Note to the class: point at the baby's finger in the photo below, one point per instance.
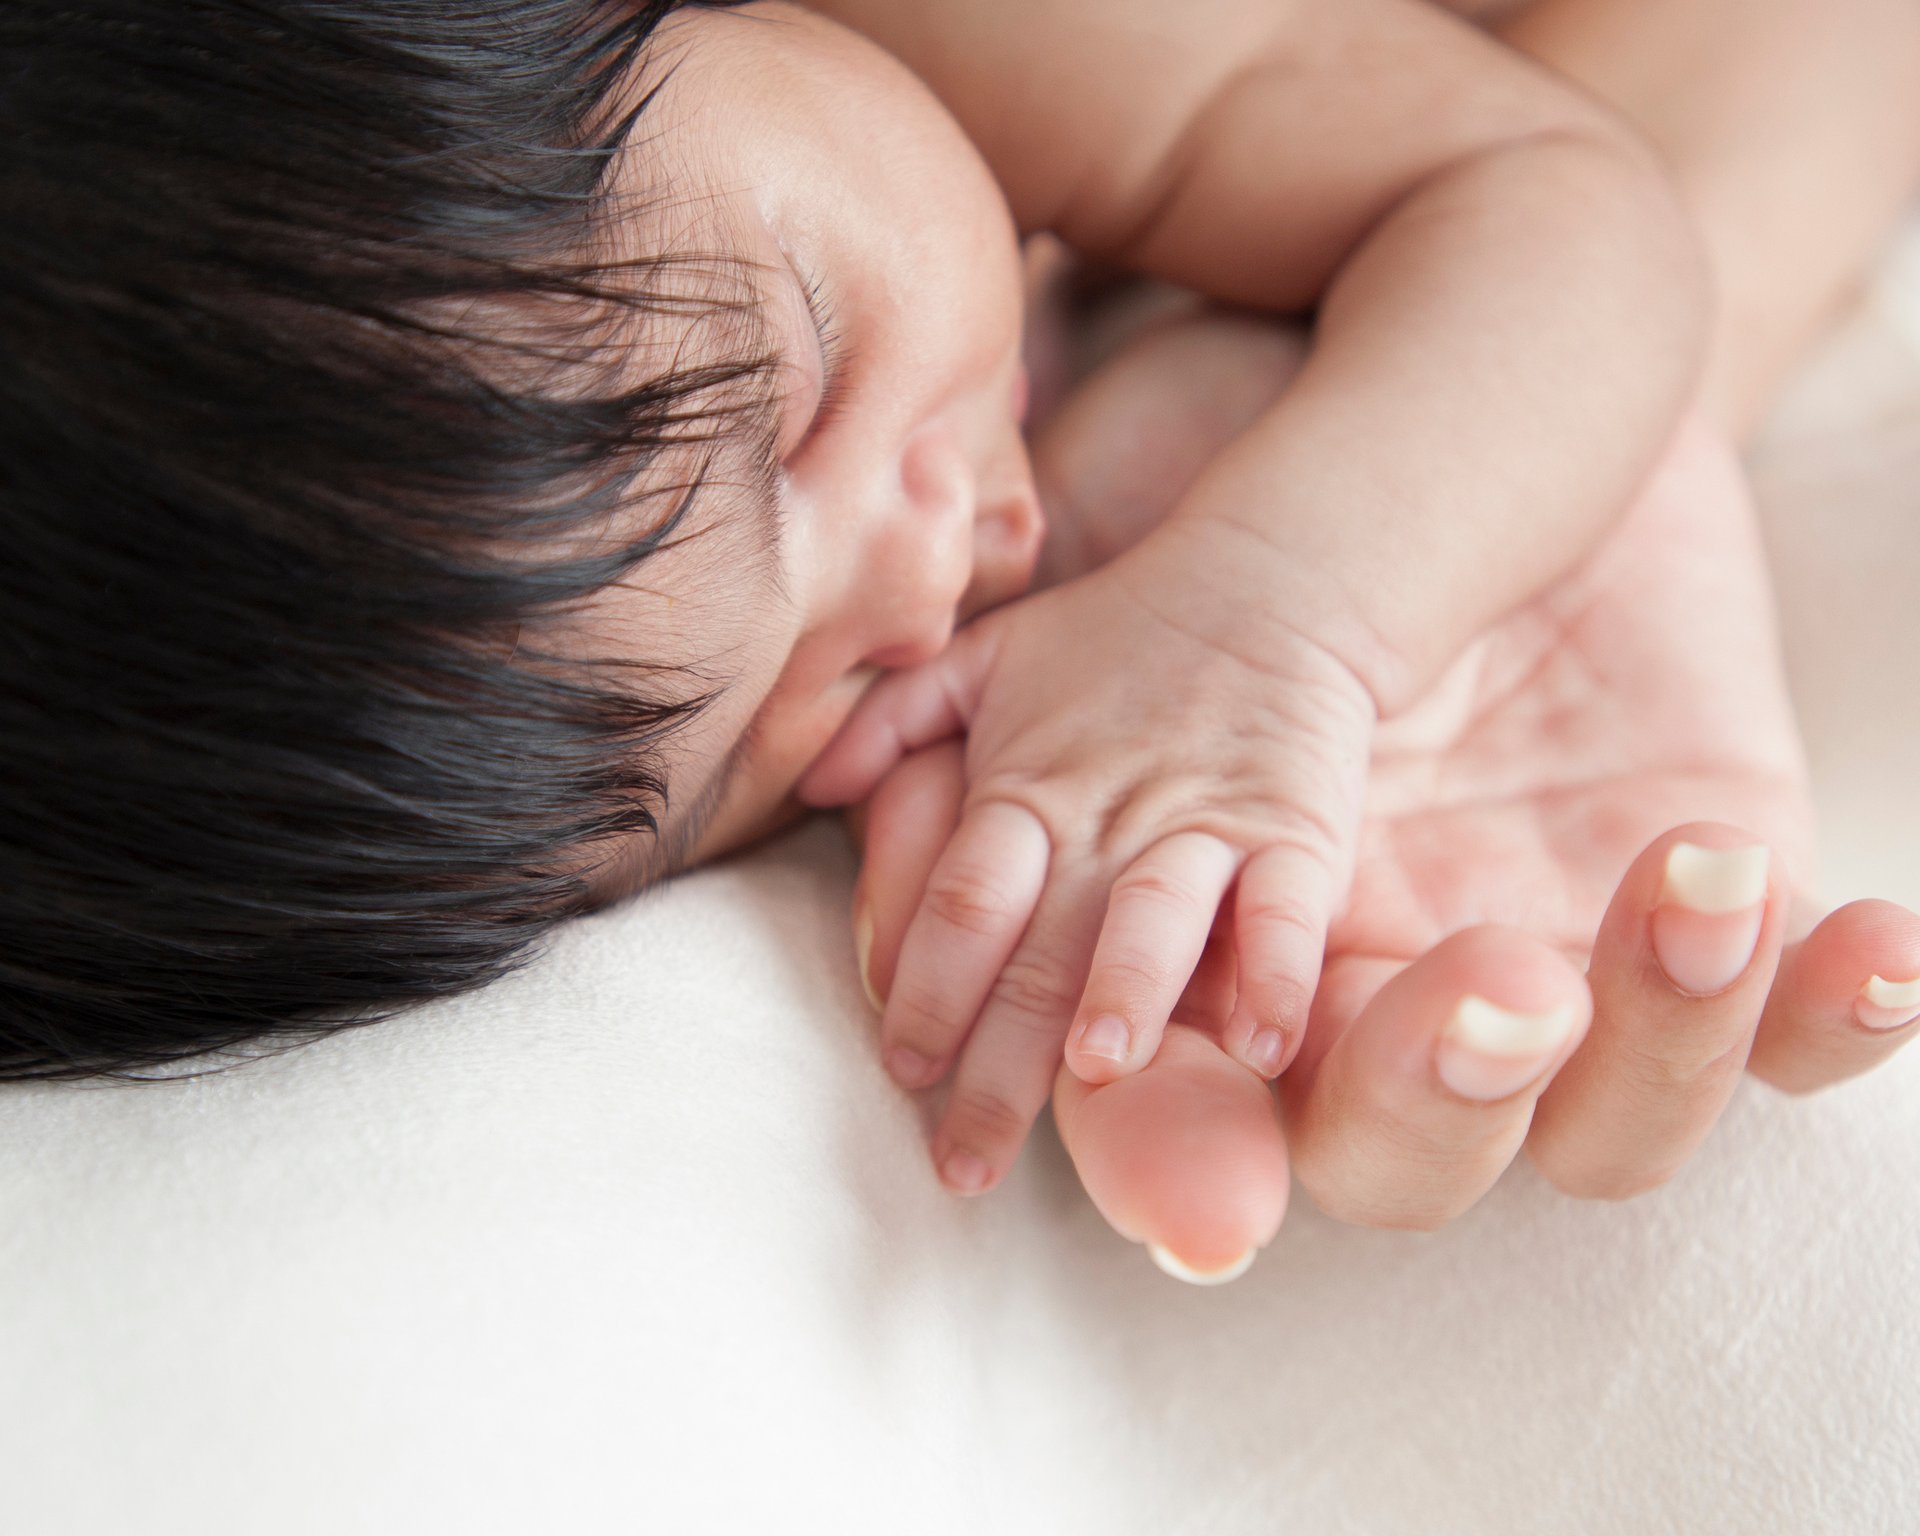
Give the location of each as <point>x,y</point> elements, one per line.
<point>1681,969</point>
<point>908,823</point>
<point>1846,998</point>
<point>1280,913</point>
<point>978,900</point>
<point>1008,1067</point>
<point>1420,1104</point>
<point>1185,1156</point>
<point>1158,919</point>
<point>901,713</point>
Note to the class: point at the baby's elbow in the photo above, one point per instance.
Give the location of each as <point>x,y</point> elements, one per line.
<point>1642,239</point>
<point>1671,241</point>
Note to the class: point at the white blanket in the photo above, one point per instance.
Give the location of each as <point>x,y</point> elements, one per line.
<point>642,1240</point>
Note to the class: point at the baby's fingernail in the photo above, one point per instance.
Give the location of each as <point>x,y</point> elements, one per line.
<point>1706,923</point>
<point>965,1174</point>
<point>1884,1004</point>
<point>1106,1037</point>
<point>1488,1052</point>
<point>908,1068</point>
<point>1182,1271</point>
<point>863,955</point>
<point>1265,1051</point>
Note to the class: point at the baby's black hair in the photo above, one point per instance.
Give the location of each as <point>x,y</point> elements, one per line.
<point>285,525</point>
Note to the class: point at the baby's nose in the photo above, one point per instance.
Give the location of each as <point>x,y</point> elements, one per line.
<point>924,561</point>
<point>1008,528</point>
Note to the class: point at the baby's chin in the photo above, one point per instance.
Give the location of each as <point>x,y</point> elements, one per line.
<point>724,842</point>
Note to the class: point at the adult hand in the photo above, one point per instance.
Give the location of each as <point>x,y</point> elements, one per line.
<point>1521,824</point>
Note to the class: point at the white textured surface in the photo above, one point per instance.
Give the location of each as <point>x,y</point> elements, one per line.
<point>643,1241</point>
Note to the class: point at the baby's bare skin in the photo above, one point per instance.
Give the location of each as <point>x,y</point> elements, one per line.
<point>1503,338</point>
<point>1588,1135</point>
<point>1488,818</point>
<point>1481,246</point>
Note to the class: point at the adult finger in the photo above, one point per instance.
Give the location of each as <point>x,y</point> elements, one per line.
<point>1847,997</point>
<point>1681,969</point>
<point>1418,1105</point>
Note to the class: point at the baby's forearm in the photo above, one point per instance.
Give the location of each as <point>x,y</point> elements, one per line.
<point>1510,297</point>
<point>1495,369</point>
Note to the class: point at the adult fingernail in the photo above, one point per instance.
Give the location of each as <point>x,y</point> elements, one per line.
<point>1106,1037</point>
<point>863,955</point>
<point>965,1174</point>
<point>1706,923</point>
<point>1265,1051</point>
<point>1884,1004</point>
<point>1487,1052</point>
<point>1180,1270</point>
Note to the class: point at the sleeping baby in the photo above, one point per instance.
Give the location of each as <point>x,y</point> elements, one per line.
<point>464,466</point>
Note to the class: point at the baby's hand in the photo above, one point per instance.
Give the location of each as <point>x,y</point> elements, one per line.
<point>1140,744</point>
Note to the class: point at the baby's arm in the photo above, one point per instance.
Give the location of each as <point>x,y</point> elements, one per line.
<point>1793,130</point>
<point>1508,314</point>
<point>1510,303</point>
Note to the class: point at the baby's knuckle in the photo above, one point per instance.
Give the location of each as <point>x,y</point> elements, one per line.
<point>1282,914</point>
<point>986,1120</point>
<point>968,900</point>
<point>1036,993</point>
<point>1138,809</point>
<point>1313,834</point>
<point>1281,1001</point>
<point>1156,888</point>
<point>920,1019</point>
<point>1134,972</point>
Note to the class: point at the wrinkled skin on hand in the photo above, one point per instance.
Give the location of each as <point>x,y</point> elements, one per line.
<point>1639,693</point>
<point>1636,696</point>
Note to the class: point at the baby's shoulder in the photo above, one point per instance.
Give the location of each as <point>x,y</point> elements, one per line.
<point>1074,99</point>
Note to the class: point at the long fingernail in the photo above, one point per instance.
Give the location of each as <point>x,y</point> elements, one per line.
<point>1106,1037</point>
<point>965,1174</point>
<point>1884,1004</point>
<point>1182,1271</point>
<point>1487,1052</point>
<point>863,955</point>
<point>1706,923</point>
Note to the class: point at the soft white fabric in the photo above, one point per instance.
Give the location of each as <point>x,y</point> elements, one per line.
<point>643,1241</point>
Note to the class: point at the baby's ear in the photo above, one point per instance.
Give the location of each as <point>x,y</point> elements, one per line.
<point>1186,1156</point>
